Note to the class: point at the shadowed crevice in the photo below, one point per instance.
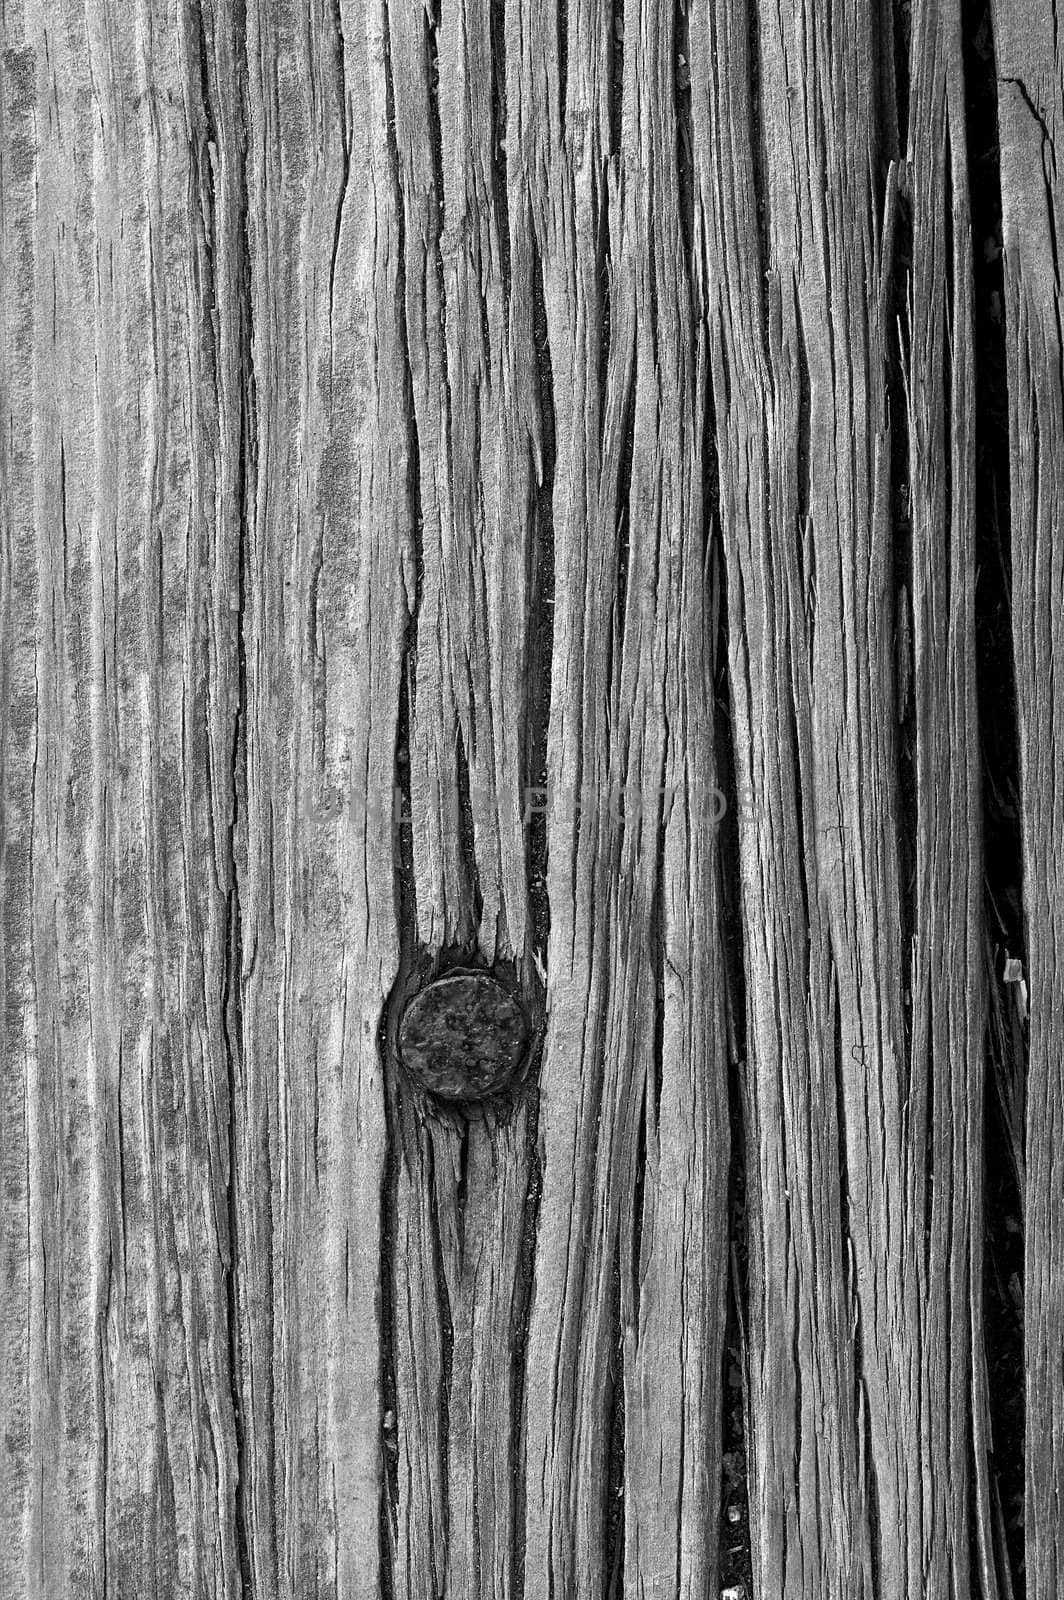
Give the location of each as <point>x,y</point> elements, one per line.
<point>400,812</point>
<point>539,633</point>
<point>240,1175</point>
<point>1003,1246</point>
<point>616,74</point>
<point>757,156</point>
<point>685,175</point>
<point>735,1554</point>
<point>499,164</point>
<point>614,643</point>
<point>521,1311</point>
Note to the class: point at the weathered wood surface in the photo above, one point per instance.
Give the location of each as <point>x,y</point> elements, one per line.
<point>1031,108</point>
<point>446,449</point>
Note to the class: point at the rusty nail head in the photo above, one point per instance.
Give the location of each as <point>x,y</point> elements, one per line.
<point>464,1036</point>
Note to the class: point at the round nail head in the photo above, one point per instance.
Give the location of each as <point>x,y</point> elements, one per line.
<point>464,1036</point>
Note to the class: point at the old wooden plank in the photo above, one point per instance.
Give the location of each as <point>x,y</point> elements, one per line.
<point>19,596</point>
<point>327,568</point>
<point>948,1018</point>
<point>808,1512</point>
<point>851,1487</point>
<point>366,369</point>
<point>1030,108</point>
<point>633,1132</point>
<point>674,1230</point>
<point>119,536</point>
<point>465,282</point>
<point>564,138</point>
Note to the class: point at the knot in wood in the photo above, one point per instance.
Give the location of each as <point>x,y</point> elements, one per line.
<point>464,1036</point>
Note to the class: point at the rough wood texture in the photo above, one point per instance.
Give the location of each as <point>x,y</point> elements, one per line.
<point>949,1525</point>
<point>1031,106</point>
<point>446,449</point>
<point>121,518</point>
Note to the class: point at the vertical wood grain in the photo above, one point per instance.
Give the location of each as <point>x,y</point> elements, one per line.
<point>443,445</point>
<point>1030,98</point>
<point>948,997</point>
<point>326,570</point>
<point>119,541</point>
<point>866,1008</point>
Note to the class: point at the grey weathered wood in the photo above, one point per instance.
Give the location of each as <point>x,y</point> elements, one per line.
<point>949,1003</point>
<point>430,406</point>
<point>858,1403</point>
<point>1031,101</point>
<point>119,537</point>
<point>326,560</point>
<point>635,979</point>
